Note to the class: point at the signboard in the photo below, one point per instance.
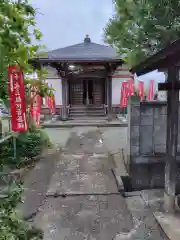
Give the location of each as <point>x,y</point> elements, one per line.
<point>17,99</point>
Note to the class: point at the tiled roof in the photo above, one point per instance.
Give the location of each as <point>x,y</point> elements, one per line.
<point>86,50</point>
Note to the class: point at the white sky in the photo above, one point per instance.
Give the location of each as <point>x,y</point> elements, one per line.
<point>66,22</point>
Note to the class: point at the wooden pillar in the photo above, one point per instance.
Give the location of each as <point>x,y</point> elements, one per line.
<point>109,97</point>
<point>172,136</point>
<point>105,91</point>
<point>67,92</point>
<point>64,99</point>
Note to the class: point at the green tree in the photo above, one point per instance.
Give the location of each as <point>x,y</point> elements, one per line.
<point>18,28</point>
<point>140,28</point>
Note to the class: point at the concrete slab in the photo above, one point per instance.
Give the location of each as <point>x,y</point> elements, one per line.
<point>81,130</point>
<point>84,168</point>
<point>114,139</point>
<point>152,195</point>
<point>36,185</point>
<point>169,224</point>
<point>145,225</point>
<point>84,217</point>
<point>76,123</point>
<point>85,174</point>
<point>59,136</point>
<point>154,198</point>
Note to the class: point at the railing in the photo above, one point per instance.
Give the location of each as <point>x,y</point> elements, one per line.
<point>7,137</point>
<point>7,177</point>
<point>68,108</point>
<point>105,108</point>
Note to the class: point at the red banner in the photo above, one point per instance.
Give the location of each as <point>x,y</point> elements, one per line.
<point>53,108</point>
<point>35,106</point>
<point>124,95</point>
<point>50,102</point>
<point>17,99</point>
<point>131,87</point>
<point>141,89</point>
<point>151,90</point>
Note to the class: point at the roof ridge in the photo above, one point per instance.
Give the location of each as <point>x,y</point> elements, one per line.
<point>75,45</point>
<point>65,47</point>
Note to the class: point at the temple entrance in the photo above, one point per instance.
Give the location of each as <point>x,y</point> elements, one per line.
<point>87,92</point>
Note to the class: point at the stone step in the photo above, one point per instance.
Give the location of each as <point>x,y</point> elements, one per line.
<point>86,114</point>
<point>74,110</point>
<point>90,119</point>
<point>90,107</point>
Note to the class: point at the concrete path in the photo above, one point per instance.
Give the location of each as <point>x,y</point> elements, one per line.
<point>82,200</point>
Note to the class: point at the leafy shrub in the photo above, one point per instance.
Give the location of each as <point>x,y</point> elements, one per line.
<point>28,146</point>
<point>11,227</point>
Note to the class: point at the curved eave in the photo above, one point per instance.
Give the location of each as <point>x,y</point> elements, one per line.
<point>166,57</point>
<point>74,61</point>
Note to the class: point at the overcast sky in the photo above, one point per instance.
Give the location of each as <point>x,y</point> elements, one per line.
<point>66,22</point>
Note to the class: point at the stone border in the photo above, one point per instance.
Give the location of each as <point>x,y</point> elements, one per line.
<point>71,125</point>
<point>169,224</point>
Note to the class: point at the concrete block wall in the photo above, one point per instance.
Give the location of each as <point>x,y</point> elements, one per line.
<point>146,146</point>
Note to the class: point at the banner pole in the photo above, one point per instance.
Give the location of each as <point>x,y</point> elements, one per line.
<point>14,146</point>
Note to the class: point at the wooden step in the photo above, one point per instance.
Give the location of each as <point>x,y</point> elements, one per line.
<point>86,111</point>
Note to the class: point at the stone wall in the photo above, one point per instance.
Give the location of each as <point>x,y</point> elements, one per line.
<point>145,158</point>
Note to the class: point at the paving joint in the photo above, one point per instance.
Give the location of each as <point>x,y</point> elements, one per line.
<point>64,195</point>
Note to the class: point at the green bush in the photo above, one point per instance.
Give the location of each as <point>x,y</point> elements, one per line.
<point>28,146</point>
<point>11,227</point>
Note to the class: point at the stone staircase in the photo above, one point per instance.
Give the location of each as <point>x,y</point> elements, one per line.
<point>91,111</point>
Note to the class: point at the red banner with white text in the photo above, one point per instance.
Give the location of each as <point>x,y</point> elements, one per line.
<point>53,108</point>
<point>151,90</point>
<point>17,99</point>
<point>141,89</point>
<point>35,106</point>
<point>48,102</point>
<point>124,95</point>
<point>131,87</point>
<point>51,104</point>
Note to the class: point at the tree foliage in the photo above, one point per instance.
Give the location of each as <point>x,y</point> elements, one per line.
<point>18,29</point>
<point>139,28</point>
